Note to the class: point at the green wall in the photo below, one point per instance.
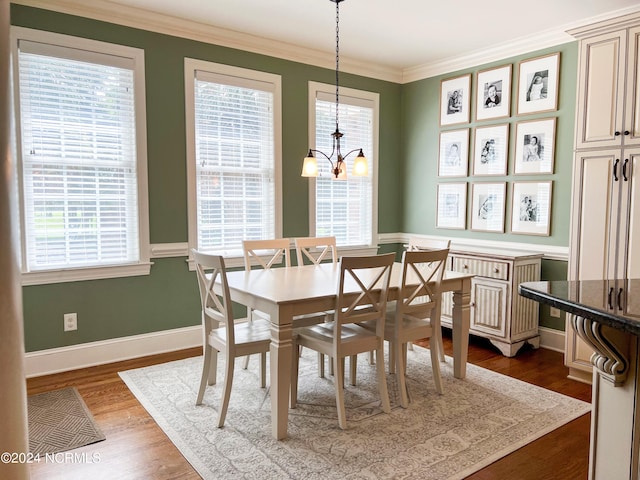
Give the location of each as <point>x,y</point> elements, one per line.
<point>408,150</point>
<point>420,137</point>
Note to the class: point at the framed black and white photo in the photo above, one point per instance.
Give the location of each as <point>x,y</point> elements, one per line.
<point>453,158</point>
<point>455,100</point>
<point>451,211</point>
<point>490,150</point>
<point>493,99</point>
<point>535,146</point>
<point>531,208</point>
<point>487,204</point>
<point>538,84</point>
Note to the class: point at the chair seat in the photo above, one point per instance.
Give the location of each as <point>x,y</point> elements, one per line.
<point>320,337</point>
<point>250,337</point>
<point>409,327</point>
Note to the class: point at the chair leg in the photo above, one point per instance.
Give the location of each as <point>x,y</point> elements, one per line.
<point>320,365</point>
<point>263,370</point>
<point>226,391</point>
<point>206,365</point>
<point>437,338</point>
<point>339,381</point>
<point>372,358</point>
<point>293,388</point>
<point>353,364</point>
<point>435,366</point>
<point>410,346</point>
<point>245,363</point>
<point>400,375</point>
<point>392,357</point>
<point>382,380</point>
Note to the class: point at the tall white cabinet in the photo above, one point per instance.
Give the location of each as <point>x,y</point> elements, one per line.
<point>605,221</point>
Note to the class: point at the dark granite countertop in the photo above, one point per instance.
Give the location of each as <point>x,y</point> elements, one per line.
<point>615,303</point>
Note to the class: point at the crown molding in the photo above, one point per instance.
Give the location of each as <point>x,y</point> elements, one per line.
<point>106,11</point>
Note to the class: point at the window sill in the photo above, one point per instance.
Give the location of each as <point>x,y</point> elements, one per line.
<point>89,273</point>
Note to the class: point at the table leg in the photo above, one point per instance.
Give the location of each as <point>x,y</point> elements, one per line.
<point>281,351</point>
<point>461,320</point>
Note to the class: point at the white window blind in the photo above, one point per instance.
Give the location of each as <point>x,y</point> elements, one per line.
<point>234,160</point>
<point>79,162</point>
<point>344,209</point>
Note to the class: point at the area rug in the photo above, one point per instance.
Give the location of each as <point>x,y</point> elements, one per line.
<point>474,423</point>
<point>59,420</point>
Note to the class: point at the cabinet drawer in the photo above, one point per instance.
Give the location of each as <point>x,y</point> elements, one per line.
<point>482,268</point>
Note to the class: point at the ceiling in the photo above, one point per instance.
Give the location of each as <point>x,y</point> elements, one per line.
<point>401,35</point>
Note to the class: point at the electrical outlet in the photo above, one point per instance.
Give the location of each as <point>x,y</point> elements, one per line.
<point>554,312</point>
<point>70,322</point>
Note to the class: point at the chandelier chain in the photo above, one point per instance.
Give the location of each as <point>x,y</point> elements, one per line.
<point>337,57</point>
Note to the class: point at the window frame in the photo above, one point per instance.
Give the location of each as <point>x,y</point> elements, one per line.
<point>326,89</point>
<point>233,257</point>
<point>88,50</point>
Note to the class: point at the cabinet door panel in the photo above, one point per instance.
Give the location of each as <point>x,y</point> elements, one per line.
<point>629,238</point>
<point>601,91</point>
<point>594,203</point>
<point>632,112</point>
<point>489,300</point>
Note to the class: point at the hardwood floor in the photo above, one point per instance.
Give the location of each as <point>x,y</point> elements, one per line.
<point>136,448</point>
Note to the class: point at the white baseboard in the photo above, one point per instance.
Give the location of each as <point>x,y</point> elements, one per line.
<point>551,339</point>
<point>55,360</point>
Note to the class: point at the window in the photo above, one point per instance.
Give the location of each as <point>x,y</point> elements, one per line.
<point>344,209</point>
<point>82,157</point>
<point>233,154</point>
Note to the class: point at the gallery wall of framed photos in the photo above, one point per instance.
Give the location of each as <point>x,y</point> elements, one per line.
<point>504,160</point>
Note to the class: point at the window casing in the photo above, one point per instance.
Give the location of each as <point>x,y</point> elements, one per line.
<point>82,169</point>
<point>344,209</point>
<point>233,156</point>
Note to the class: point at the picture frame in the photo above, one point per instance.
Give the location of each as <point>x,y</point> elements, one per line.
<point>531,207</point>
<point>488,206</point>
<point>493,96</point>
<point>538,84</point>
<point>535,147</point>
<point>453,156</point>
<point>455,100</point>
<point>451,210</point>
<point>490,150</point>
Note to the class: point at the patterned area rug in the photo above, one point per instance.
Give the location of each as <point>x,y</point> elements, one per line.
<point>474,423</point>
<point>59,421</point>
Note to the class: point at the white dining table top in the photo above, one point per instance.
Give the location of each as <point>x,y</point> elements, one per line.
<point>291,284</point>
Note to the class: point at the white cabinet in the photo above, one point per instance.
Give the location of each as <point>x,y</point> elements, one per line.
<point>498,312</point>
<point>607,106</point>
<point>605,223</point>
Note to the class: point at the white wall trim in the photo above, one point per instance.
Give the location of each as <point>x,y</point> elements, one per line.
<point>138,18</point>
<point>55,360</point>
<point>164,250</point>
<point>551,339</point>
<point>550,252</point>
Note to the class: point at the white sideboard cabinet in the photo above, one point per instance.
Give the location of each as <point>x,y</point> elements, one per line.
<point>605,221</point>
<point>498,312</point>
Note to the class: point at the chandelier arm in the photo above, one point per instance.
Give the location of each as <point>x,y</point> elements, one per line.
<point>323,154</point>
<point>354,150</point>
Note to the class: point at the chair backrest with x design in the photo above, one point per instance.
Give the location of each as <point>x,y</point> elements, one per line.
<point>362,291</point>
<point>316,249</point>
<point>216,309</point>
<point>421,285</point>
<point>276,252</point>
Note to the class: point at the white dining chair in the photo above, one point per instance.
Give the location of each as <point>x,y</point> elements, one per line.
<point>361,297</point>
<point>417,243</point>
<point>418,301</point>
<point>222,333</point>
<point>315,250</point>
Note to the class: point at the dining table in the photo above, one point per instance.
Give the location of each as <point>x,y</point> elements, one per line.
<point>285,293</point>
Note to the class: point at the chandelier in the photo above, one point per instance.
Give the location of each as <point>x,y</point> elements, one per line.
<point>338,168</point>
